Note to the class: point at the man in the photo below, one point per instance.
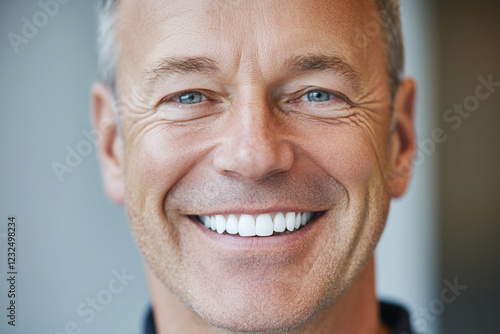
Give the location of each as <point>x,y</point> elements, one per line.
<point>256,146</point>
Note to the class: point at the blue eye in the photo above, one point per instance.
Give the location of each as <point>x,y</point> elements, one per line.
<point>191,98</point>
<point>318,96</point>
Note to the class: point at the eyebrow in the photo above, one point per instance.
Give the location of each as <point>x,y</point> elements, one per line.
<point>321,62</point>
<point>181,65</point>
<point>299,64</point>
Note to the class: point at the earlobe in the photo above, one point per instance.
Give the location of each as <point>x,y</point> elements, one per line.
<point>403,145</point>
<point>109,147</point>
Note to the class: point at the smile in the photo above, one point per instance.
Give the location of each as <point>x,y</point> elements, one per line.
<point>262,225</point>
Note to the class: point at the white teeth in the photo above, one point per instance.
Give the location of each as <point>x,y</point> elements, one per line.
<point>205,220</point>
<point>213,223</point>
<point>220,221</point>
<point>262,225</point>
<point>304,219</point>
<point>298,219</point>
<point>279,223</point>
<point>290,221</point>
<point>246,226</point>
<point>232,224</point>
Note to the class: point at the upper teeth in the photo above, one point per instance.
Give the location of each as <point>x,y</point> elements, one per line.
<point>261,225</point>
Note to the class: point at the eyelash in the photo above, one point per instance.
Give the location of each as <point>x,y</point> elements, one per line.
<point>333,94</point>
<point>298,96</point>
<point>176,96</point>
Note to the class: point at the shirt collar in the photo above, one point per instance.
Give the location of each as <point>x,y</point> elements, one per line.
<point>394,316</point>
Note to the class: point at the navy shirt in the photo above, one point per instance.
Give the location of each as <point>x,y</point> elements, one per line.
<point>392,315</point>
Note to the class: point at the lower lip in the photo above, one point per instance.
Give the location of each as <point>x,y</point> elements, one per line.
<point>278,241</point>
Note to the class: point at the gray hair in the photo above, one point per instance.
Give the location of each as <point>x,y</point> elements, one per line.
<point>107,46</point>
<point>388,16</point>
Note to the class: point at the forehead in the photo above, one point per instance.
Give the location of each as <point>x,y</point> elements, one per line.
<point>241,32</point>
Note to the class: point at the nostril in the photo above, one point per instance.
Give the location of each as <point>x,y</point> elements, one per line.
<point>253,163</point>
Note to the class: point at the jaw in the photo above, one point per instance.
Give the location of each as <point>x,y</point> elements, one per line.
<point>254,283</point>
<point>175,314</point>
<point>257,283</point>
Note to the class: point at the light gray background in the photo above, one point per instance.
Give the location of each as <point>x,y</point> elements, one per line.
<point>70,237</point>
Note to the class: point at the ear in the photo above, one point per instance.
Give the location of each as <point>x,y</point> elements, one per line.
<point>403,140</point>
<point>109,147</point>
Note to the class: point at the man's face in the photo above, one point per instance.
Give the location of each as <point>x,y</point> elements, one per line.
<point>253,108</point>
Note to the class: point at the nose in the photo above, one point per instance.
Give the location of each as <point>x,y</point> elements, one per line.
<point>253,145</point>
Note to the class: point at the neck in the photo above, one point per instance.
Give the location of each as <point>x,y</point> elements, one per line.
<point>353,313</point>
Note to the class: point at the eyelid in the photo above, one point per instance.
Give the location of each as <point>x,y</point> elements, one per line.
<point>333,93</point>
<point>296,96</point>
<point>174,96</point>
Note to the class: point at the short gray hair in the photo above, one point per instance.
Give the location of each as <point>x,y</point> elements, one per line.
<point>107,46</point>
<point>388,16</point>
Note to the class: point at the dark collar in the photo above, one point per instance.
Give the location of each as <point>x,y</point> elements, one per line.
<point>392,315</point>
<point>396,317</point>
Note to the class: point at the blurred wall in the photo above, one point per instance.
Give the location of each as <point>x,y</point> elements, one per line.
<point>469,172</point>
<point>407,256</point>
<point>72,241</point>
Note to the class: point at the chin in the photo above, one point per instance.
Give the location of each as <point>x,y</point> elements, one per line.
<point>274,309</point>
<point>269,321</point>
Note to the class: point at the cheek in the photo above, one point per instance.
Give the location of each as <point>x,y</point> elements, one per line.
<point>158,161</point>
<point>153,165</point>
<point>356,160</point>
<point>345,154</point>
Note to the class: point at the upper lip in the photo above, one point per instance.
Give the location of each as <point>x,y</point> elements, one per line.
<point>249,211</point>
